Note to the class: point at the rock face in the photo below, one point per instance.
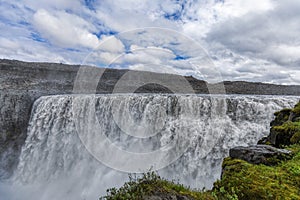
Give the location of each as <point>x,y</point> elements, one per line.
<point>285,128</point>
<point>21,83</point>
<point>259,154</point>
<point>242,87</point>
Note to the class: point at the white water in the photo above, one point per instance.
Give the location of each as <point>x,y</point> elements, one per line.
<point>54,164</point>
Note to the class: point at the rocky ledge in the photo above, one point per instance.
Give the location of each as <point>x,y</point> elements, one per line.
<point>285,128</point>
<point>260,154</point>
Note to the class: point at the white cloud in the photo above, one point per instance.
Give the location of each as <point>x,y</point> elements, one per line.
<point>255,40</point>
<point>64,29</point>
<point>8,44</point>
<point>111,44</point>
<point>284,53</point>
<point>137,56</point>
<point>53,4</point>
<point>107,58</point>
<point>238,8</point>
<point>127,15</point>
<point>201,16</point>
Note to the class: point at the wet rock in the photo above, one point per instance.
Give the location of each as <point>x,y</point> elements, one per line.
<point>264,140</point>
<point>281,135</point>
<point>285,128</point>
<point>260,154</point>
<point>281,117</point>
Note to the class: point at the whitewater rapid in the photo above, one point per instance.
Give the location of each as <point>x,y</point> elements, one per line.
<point>59,161</point>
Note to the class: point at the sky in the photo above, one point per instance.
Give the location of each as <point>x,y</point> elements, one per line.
<point>248,40</point>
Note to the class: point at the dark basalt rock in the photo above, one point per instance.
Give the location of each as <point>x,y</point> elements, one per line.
<point>285,128</point>
<point>264,140</point>
<point>281,117</point>
<point>260,154</point>
<point>281,135</point>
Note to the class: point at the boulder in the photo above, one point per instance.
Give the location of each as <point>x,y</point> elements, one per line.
<point>260,154</point>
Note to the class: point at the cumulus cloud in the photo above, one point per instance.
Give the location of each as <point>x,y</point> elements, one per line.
<point>54,4</point>
<point>127,15</point>
<point>65,29</point>
<point>268,36</point>
<point>111,44</point>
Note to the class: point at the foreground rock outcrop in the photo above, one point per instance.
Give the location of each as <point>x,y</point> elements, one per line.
<point>260,154</point>
<point>244,180</point>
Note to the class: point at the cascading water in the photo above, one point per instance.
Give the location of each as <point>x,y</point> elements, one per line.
<point>56,162</point>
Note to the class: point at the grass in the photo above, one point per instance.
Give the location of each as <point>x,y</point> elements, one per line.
<point>249,181</point>
<point>152,184</point>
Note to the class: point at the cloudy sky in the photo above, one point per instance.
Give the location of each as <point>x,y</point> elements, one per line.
<point>252,40</point>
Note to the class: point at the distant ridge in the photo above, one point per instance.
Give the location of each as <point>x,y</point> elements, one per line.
<point>56,78</point>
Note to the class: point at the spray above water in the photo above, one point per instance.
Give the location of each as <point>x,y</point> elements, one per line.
<point>54,163</point>
<point>155,42</point>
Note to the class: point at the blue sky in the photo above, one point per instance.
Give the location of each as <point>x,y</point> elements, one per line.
<point>252,40</point>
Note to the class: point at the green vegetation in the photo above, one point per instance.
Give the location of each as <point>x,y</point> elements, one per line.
<point>249,181</point>
<point>296,137</point>
<point>285,128</point>
<point>150,184</point>
<point>286,134</point>
<point>296,109</point>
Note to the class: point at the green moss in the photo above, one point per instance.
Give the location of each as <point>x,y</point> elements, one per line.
<point>285,111</point>
<point>152,184</point>
<point>297,119</point>
<point>260,181</point>
<point>296,109</point>
<point>287,133</point>
<point>295,138</point>
<point>281,117</point>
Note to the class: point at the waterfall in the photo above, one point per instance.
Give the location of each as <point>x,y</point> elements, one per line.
<point>64,156</point>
